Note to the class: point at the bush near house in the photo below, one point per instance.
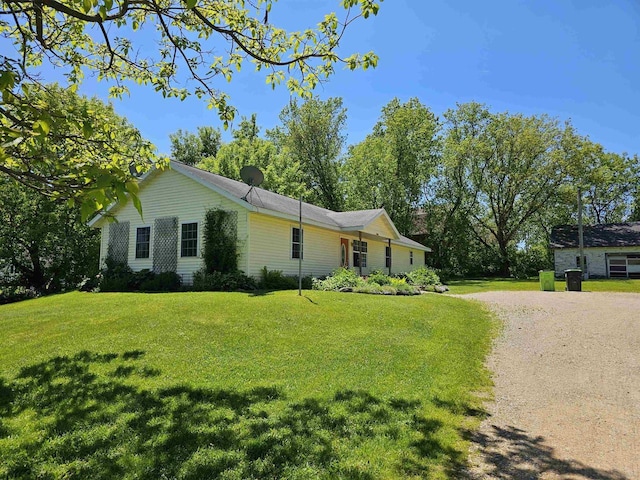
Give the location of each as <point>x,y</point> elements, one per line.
<point>423,277</point>
<point>11,293</point>
<point>216,281</point>
<point>341,278</point>
<point>118,277</point>
<point>379,283</point>
<point>276,280</point>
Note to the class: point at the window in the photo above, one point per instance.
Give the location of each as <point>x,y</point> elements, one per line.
<point>143,237</point>
<point>359,252</point>
<point>425,258</point>
<point>410,258</point>
<point>297,237</point>
<point>189,243</point>
<point>387,257</point>
<point>578,262</point>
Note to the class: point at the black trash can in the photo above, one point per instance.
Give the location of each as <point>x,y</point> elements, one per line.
<point>573,277</point>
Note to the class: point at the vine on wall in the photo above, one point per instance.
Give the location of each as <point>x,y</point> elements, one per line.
<point>220,250</point>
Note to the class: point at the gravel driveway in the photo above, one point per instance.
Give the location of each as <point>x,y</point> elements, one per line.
<point>567,388</point>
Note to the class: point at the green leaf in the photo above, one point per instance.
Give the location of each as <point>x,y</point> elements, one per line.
<point>41,126</point>
<point>87,209</point>
<point>191,3</point>
<point>131,186</point>
<point>87,129</point>
<point>137,204</point>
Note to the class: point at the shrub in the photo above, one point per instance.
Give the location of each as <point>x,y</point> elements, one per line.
<point>276,280</point>
<point>161,282</point>
<point>137,279</point>
<point>90,284</point>
<point>118,277</point>
<point>379,278</point>
<point>11,294</point>
<point>375,289</point>
<point>527,263</point>
<point>423,277</point>
<point>222,282</point>
<point>406,289</point>
<point>341,278</point>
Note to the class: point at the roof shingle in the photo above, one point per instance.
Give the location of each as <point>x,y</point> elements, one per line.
<point>603,235</point>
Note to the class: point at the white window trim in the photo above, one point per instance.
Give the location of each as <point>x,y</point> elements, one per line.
<point>291,257</point>
<point>198,238</point>
<point>135,243</point>
<point>354,251</point>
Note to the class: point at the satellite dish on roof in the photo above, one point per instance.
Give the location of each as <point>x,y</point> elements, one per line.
<point>251,175</point>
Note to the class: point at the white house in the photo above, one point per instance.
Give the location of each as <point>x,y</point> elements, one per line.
<point>611,250</point>
<point>174,202</point>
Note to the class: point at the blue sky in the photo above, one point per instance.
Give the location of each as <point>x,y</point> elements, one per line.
<point>571,59</point>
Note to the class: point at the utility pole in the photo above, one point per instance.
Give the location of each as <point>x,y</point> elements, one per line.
<point>581,234</point>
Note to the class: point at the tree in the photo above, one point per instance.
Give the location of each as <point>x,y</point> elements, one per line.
<point>611,182</point>
<point>198,42</point>
<point>393,166</point>
<point>508,167</point>
<point>311,133</point>
<point>281,174</point>
<point>45,241</point>
<point>68,146</point>
<point>192,148</point>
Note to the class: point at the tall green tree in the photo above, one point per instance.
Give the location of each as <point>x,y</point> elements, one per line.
<point>191,148</point>
<point>611,182</point>
<point>44,241</point>
<point>312,134</point>
<point>197,43</point>
<point>281,174</point>
<point>509,166</point>
<point>393,166</point>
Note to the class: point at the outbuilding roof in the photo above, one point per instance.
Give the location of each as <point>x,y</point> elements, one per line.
<point>603,235</point>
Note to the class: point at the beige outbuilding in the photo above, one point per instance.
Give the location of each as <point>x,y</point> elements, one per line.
<point>611,250</point>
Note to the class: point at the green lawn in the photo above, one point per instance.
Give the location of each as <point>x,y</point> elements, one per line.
<point>494,284</point>
<point>231,385</point>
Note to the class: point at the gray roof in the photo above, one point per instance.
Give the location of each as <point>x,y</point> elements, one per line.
<point>603,235</point>
<point>261,198</point>
<point>264,199</point>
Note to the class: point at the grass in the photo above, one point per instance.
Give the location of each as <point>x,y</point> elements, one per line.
<point>230,385</point>
<point>510,284</point>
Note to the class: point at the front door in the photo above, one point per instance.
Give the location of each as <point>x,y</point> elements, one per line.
<point>344,252</point>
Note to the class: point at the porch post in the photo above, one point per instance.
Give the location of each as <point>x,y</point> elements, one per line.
<point>360,252</point>
<point>390,258</point>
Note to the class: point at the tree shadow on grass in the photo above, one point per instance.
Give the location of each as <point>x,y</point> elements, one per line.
<point>91,416</point>
<point>511,453</point>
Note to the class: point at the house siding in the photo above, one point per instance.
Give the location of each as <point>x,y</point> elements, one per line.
<point>172,194</point>
<point>270,246</point>
<point>380,226</point>
<point>596,259</point>
<point>400,259</point>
